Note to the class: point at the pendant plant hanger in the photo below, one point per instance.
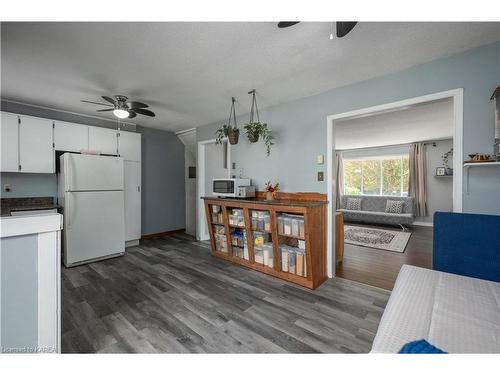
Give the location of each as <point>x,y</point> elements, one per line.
<point>254,130</point>
<point>231,132</point>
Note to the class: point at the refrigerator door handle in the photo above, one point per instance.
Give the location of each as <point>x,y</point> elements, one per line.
<point>68,211</point>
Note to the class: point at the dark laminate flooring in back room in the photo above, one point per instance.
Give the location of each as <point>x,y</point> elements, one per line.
<point>380,268</point>
<point>169,295</point>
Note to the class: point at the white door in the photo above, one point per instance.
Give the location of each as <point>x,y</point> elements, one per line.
<point>71,137</point>
<point>129,146</point>
<point>36,151</point>
<point>94,225</point>
<point>132,192</point>
<point>9,131</point>
<point>103,140</point>
<point>92,172</point>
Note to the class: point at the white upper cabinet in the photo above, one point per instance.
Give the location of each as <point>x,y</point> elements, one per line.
<point>129,146</point>
<point>36,151</point>
<point>103,140</point>
<point>9,132</point>
<point>71,137</point>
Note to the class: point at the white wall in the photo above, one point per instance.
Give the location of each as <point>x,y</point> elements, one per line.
<point>418,123</point>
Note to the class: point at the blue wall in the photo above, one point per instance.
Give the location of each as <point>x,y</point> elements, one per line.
<point>300,126</point>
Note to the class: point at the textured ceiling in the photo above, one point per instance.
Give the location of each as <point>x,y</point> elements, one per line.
<point>188,72</point>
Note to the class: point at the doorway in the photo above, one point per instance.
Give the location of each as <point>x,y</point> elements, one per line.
<point>456,96</point>
<point>214,161</point>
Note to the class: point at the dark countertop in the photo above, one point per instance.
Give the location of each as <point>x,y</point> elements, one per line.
<point>277,202</point>
<point>26,204</point>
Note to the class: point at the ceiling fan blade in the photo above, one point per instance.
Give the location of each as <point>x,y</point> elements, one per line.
<point>283,24</point>
<point>145,112</point>
<point>131,114</point>
<point>134,105</point>
<point>344,28</point>
<point>108,99</point>
<point>106,110</point>
<point>105,104</point>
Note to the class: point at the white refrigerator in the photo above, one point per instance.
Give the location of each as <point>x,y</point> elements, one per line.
<point>90,191</point>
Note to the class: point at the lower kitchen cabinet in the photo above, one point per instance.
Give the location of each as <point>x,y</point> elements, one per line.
<point>132,190</point>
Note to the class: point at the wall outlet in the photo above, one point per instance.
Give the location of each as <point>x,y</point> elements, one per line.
<point>233,165</point>
<point>320,159</point>
<point>7,188</point>
<point>321,176</point>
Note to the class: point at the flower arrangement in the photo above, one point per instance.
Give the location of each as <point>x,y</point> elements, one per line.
<point>271,190</point>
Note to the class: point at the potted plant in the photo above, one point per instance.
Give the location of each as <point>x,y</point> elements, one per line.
<point>231,132</point>
<point>271,190</point>
<point>255,130</point>
<point>446,159</point>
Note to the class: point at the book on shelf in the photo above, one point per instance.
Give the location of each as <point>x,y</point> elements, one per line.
<point>284,260</point>
<point>299,264</point>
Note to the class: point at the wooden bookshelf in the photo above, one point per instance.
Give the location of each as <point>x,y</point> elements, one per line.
<point>311,208</point>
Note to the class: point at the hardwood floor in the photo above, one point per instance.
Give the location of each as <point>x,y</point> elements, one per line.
<point>169,295</point>
<point>381,267</point>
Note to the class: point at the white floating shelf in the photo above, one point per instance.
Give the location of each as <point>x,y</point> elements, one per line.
<point>492,163</point>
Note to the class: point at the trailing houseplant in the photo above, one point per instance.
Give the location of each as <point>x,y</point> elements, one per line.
<point>254,130</point>
<point>257,129</point>
<point>230,131</point>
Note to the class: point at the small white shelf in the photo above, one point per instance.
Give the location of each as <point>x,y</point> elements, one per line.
<point>491,163</point>
<point>469,165</point>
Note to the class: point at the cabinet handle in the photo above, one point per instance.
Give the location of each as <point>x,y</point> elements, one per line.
<point>139,189</point>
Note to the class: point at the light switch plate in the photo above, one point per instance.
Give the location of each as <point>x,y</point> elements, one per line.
<point>321,176</point>
<point>320,159</point>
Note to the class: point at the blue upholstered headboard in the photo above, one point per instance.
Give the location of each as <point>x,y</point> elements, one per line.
<point>467,244</point>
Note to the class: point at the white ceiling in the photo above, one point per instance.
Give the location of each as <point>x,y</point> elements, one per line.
<point>188,72</point>
<point>421,122</point>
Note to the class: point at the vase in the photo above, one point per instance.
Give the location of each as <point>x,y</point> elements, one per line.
<point>269,196</point>
<point>233,136</point>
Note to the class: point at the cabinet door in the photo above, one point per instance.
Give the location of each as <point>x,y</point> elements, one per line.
<point>71,137</point>
<point>103,140</point>
<point>129,146</point>
<point>132,190</point>
<point>9,131</point>
<point>36,151</point>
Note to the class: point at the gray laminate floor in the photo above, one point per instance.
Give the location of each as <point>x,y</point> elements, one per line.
<point>169,295</point>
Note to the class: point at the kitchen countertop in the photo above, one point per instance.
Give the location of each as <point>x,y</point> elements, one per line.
<point>277,202</point>
<point>26,204</point>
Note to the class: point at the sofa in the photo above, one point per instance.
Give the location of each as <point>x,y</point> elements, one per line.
<point>456,305</point>
<point>373,210</point>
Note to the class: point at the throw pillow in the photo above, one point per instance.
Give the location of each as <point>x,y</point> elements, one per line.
<point>394,207</point>
<point>353,204</point>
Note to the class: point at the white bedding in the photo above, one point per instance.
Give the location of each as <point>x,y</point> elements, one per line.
<point>454,313</point>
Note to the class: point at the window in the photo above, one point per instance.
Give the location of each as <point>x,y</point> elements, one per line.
<point>386,175</point>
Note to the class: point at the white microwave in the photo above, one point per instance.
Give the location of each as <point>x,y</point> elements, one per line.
<point>233,187</point>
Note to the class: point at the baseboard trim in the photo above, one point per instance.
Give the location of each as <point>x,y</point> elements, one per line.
<point>162,234</point>
<point>131,243</point>
<point>423,224</point>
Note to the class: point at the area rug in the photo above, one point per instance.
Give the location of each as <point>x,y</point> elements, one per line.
<point>383,239</point>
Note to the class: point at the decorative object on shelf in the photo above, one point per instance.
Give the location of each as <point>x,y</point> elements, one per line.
<point>230,131</point>
<point>440,171</point>
<point>271,190</point>
<point>446,160</point>
<point>256,129</point>
<point>496,97</point>
<point>480,158</point>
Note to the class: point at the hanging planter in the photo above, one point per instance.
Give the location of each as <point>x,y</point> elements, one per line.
<point>232,133</point>
<point>256,129</point>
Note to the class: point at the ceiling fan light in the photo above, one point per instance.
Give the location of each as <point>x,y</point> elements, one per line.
<point>120,113</point>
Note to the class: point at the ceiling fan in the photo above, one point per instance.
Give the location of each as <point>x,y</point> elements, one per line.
<point>343,28</point>
<point>122,107</point>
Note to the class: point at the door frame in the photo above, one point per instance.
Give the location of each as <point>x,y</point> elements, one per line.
<point>201,235</point>
<point>456,95</point>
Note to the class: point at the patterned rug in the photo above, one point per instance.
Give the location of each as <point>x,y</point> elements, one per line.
<point>383,239</point>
